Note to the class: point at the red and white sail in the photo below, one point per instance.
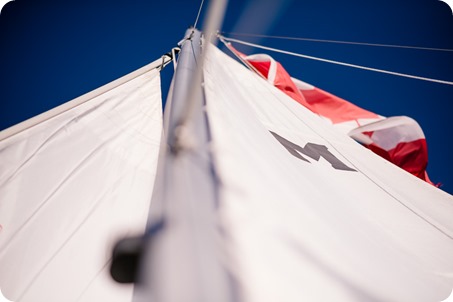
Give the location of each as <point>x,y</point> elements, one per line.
<point>408,149</point>
<point>72,182</point>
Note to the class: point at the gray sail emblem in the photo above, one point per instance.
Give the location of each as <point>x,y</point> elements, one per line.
<point>314,151</point>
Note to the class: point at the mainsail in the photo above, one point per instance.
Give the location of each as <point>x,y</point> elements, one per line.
<point>72,181</point>
<point>311,214</point>
<point>256,199</point>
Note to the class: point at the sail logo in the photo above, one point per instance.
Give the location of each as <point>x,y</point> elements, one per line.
<point>313,151</point>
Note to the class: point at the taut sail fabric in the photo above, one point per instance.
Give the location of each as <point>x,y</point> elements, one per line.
<point>409,152</point>
<point>73,184</point>
<point>309,214</point>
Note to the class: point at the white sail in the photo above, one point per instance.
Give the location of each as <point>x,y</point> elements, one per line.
<point>72,182</point>
<point>308,214</point>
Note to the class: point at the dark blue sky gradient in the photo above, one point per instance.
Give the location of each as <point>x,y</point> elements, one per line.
<point>54,51</point>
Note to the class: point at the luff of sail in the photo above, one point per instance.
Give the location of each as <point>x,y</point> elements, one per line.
<point>72,181</point>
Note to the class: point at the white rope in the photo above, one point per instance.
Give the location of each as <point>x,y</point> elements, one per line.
<point>337,62</point>
<point>338,42</point>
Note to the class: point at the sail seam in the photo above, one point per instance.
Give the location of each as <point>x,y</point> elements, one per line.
<point>96,205</point>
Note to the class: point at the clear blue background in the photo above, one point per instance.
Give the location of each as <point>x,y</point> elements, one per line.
<point>54,51</point>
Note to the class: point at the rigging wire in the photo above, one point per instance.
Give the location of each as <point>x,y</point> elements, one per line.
<point>224,39</point>
<point>198,15</point>
<point>336,41</point>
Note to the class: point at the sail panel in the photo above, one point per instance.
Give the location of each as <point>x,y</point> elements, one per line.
<point>73,184</point>
<point>309,213</point>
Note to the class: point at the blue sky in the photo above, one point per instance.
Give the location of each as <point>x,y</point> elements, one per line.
<point>54,51</point>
